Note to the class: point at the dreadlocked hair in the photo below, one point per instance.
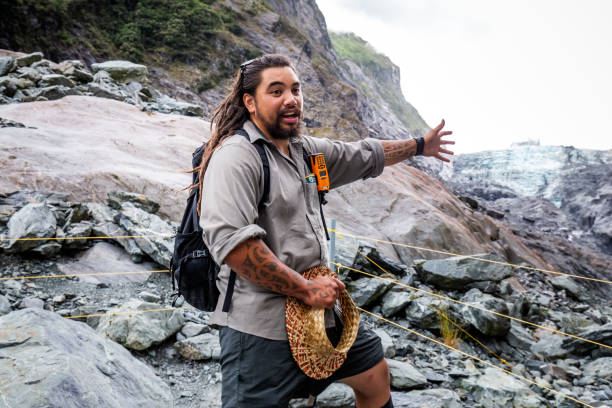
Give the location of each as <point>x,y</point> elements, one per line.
<point>230,115</point>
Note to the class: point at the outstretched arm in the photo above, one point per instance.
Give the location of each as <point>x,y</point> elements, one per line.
<point>253,260</point>
<point>399,150</point>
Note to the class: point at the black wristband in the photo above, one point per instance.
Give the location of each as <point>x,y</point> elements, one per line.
<point>420,146</point>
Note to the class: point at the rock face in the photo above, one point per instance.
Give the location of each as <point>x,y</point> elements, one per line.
<point>80,367</point>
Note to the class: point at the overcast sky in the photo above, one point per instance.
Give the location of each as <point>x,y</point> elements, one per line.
<point>497,71</point>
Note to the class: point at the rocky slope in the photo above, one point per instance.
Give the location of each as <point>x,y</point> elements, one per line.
<point>222,34</point>
<point>557,199</point>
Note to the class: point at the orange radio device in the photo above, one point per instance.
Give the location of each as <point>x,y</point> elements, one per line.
<point>319,168</point>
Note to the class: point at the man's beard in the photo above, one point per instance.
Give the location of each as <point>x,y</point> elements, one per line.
<point>277,132</point>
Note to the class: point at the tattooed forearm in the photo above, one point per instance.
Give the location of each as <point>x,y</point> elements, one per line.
<point>254,261</point>
<point>398,150</point>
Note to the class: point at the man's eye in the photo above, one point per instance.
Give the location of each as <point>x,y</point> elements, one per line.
<point>297,91</point>
<point>277,92</point>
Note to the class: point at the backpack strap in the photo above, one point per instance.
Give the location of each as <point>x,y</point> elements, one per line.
<point>266,193</point>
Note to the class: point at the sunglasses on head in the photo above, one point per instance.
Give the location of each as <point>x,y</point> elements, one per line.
<point>245,64</point>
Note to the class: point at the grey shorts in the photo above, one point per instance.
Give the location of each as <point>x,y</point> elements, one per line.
<point>259,372</point>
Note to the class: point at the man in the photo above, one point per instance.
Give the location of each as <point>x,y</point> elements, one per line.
<point>269,246</point>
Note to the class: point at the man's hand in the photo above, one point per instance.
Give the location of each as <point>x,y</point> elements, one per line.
<point>323,292</point>
<point>253,260</point>
<point>433,143</point>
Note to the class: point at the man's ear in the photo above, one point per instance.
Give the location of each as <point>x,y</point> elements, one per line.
<point>249,102</point>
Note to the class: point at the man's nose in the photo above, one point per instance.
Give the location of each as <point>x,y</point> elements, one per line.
<point>291,100</point>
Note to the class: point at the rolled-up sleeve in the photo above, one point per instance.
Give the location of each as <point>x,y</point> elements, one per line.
<point>348,162</point>
<point>231,192</point>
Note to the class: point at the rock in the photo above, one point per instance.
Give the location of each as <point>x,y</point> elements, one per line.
<point>117,198</point>
<point>487,323</point>
<point>149,297</point>
<point>550,346</point>
<point>571,287</point>
<point>105,227</point>
<point>34,220</point>
<point>366,291</point>
<point>7,65</point>
<point>29,59</point>
<point>572,323</point>
<point>47,249</point>
<point>456,272</point>
<point>82,76</point>
<point>31,302</point>
<point>170,105</point>
<point>405,376</point>
<point>30,74</point>
<point>59,299</point>
<point>422,312</point>
<point>139,331</point>
<point>5,306</point>
<point>56,79</point>
<point>78,230</point>
<point>519,337</point>
<point>440,397</point>
<point>599,334</point>
<point>105,257</point>
<point>375,258</point>
<point>337,395</point>
<point>54,92</point>
<point>387,343</point>
<point>158,242</point>
<point>123,71</point>
<point>49,361</point>
<point>602,368</point>
<point>103,91</point>
<point>201,347</point>
<point>394,301</point>
<point>496,389</point>
<point>191,329</point>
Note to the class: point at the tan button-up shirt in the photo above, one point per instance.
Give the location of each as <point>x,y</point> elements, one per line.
<point>290,224</point>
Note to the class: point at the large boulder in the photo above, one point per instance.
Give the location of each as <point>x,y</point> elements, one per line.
<point>105,226</point>
<point>123,71</point>
<point>35,220</point>
<point>459,271</point>
<point>422,312</point>
<point>405,376</point>
<point>157,239</point>
<point>201,347</point>
<point>7,64</point>
<point>366,291</point>
<point>134,328</point>
<point>49,361</point>
<point>496,389</point>
<point>487,323</point>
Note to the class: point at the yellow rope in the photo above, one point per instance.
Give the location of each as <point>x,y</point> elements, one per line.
<point>476,358</point>
<point>474,306</point>
<point>64,238</point>
<point>82,274</point>
<point>474,257</point>
<point>129,312</point>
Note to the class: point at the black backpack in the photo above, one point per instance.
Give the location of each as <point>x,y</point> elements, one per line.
<point>192,268</point>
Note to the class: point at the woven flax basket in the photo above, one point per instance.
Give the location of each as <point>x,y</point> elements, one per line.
<point>310,346</point>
